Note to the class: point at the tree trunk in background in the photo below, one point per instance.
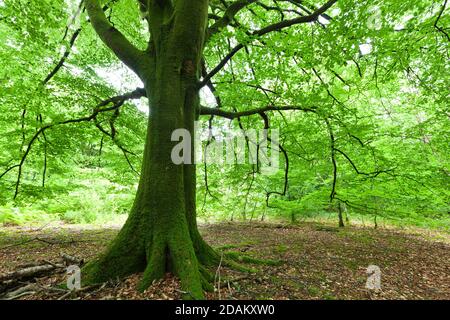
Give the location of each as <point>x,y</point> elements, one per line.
<point>161,233</point>
<point>341,219</point>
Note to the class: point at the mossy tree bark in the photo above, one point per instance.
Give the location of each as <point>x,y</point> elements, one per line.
<point>161,232</point>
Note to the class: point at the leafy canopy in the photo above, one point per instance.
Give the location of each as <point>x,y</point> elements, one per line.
<point>376,74</point>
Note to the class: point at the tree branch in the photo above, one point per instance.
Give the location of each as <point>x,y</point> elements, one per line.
<point>113,38</point>
<point>370,174</point>
<point>271,28</point>
<point>286,158</point>
<point>63,59</point>
<point>228,16</point>
<point>437,20</point>
<point>233,115</point>
<point>72,40</point>
<point>304,19</point>
<point>117,102</point>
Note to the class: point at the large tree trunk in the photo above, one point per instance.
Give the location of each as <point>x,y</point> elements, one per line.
<point>161,232</point>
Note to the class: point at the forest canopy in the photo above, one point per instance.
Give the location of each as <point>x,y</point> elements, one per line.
<point>375,74</point>
<point>164,118</point>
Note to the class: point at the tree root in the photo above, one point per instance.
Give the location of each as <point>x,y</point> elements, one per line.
<point>192,263</point>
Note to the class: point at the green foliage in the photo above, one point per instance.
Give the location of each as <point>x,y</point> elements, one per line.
<point>387,107</point>
<point>10,215</point>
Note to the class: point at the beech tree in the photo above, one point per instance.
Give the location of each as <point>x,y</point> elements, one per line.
<point>161,232</point>
<point>324,59</point>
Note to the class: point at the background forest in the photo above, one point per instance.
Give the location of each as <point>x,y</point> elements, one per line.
<point>376,147</point>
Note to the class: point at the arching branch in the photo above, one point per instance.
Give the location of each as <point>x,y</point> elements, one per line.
<point>369,174</point>
<point>268,29</point>
<point>286,158</point>
<point>304,19</point>
<point>113,38</point>
<point>221,64</point>
<point>63,59</point>
<point>233,115</point>
<point>117,102</point>
<point>8,170</point>
<point>113,134</point>
<point>72,40</point>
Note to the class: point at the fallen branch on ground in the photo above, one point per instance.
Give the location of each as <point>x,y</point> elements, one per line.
<point>10,282</point>
<point>71,259</point>
<point>29,272</point>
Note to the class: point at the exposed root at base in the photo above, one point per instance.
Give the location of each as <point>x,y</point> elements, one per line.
<point>194,268</point>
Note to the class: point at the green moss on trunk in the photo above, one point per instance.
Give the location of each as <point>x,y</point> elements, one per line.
<point>161,232</point>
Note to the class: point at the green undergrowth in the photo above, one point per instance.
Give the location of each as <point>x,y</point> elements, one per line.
<point>22,216</point>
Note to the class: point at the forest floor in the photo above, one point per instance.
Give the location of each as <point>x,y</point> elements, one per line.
<point>315,261</point>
